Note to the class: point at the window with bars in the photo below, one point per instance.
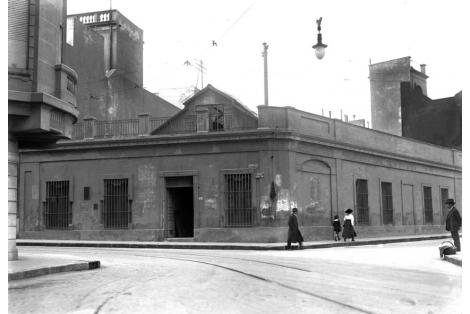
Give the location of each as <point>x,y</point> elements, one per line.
<point>238,196</point>
<point>427,196</point>
<point>362,202</point>
<point>116,212</point>
<point>387,203</point>
<point>57,208</point>
<point>216,118</point>
<point>444,197</point>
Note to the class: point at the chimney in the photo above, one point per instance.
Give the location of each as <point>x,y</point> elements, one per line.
<point>423,68</point>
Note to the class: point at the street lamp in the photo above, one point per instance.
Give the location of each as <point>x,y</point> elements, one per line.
<point>319,47</point>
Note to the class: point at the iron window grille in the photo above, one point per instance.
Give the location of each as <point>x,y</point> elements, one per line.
<point>387,203</point>
<point>362,199</point>
<point>444,197</point>
<point>216,118</point>
<point>116,212</point>
<point>57,209</point>
<point>238,200</point>
<point>427,195</point>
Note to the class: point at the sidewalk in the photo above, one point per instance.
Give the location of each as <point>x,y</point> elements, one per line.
<point>30,265</point>
<point>227,245</point>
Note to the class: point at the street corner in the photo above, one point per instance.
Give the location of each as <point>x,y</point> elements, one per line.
<point>24,271</point>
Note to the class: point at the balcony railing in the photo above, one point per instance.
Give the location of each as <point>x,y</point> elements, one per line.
<point>91,128</point>
<point>95,17</point>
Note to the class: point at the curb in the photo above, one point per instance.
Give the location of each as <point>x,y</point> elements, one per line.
<point>54,269</point>
<point>225,246</point>
<point>453,260</point>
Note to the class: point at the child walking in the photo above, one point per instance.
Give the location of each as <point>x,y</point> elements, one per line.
<point>336,227</point>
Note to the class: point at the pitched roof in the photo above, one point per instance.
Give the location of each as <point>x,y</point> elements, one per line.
<point>218,91</point>
<point>209,87</point>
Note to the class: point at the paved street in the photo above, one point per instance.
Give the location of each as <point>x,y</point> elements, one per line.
<point>393,278</point>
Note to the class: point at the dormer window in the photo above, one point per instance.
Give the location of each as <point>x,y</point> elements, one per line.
<point>216,117</point>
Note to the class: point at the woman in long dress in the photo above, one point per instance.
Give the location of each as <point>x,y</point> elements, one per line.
<point>348,226</point>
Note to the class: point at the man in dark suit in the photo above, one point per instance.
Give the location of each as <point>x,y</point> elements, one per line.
<point>453,222</point>
<point>294,234</point>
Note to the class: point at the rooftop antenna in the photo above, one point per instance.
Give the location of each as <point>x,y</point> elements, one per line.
<point>200,67</point>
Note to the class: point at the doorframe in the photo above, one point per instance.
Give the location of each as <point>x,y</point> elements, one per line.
<point>163,196</point>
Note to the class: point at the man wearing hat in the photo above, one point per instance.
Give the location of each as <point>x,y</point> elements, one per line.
<point>294,234</point>
<point>453,222</point>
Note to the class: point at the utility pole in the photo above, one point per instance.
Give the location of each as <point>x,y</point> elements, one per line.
<point>110,35</point>
<point>265,56</point>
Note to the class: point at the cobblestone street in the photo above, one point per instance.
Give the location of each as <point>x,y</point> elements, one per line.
<point>392,278</point>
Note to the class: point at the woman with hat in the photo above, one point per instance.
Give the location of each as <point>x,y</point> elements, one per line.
<point>348,226</point>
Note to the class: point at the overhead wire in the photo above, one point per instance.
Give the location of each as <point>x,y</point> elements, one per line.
<point>140,64</point>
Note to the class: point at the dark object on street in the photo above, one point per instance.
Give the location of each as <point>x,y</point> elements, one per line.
<point>294,234</point>
<point>453,222</point>
<point>447,248</point>
<point>336,227</point>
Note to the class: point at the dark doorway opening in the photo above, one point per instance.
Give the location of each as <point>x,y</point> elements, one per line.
<point>180,209</point>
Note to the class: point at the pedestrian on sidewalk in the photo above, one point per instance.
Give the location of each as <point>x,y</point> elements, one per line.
<point>348,226</point>
<point>294,234</point>
<point>336,227</point>
<point>453,222</point>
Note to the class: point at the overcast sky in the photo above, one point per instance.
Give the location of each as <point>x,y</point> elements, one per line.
<point>430,32</point>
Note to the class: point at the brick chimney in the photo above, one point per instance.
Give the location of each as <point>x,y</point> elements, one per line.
<point>423,68</point>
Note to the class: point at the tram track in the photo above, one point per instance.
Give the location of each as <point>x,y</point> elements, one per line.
<point>172,256</point>
<point>211,260</point>
<point>265,279</point>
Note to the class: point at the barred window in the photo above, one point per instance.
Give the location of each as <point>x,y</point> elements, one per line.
<point>427,195</point>
<point>362,199</point>
<point>387,203</point>
<point>216,118</point>
<point>238,207</point>
<point>57,209</point>
<point>444,197</point>
<point>116,212</point>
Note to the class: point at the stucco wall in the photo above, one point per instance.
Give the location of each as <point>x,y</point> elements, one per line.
<point>117,96</point>
<point>49,50</point>
<point>314,176</point>
<point>385,78</point>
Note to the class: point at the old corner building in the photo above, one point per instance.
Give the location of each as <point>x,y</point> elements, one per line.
<point>216,171</point>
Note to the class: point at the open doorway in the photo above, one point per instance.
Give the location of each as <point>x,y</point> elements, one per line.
<point>180,209</point>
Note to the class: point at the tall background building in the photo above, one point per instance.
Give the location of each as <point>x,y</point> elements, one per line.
<point>400,105</point>
<point>106,49</point>
<point>41,89</point>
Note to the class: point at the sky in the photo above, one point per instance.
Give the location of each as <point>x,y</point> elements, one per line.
<point>356,32</point>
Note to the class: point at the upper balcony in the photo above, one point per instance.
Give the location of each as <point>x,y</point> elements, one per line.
<point>37,119</point>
